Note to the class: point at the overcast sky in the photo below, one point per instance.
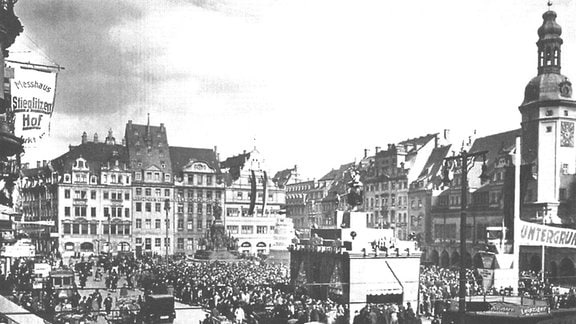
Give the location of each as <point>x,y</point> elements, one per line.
<point>310,82</point>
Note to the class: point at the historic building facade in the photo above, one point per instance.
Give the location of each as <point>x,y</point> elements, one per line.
<point>153,188</point>
<point>296,199</point>
<point>198,195</point>
<point>253,202</point>
<point>86,194</point>
<point>548,158</point>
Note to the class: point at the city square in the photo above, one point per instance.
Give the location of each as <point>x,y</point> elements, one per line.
<point>287,162</point>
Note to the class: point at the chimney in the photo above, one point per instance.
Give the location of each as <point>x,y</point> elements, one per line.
<point>215,149</point>
<point>84,138</point>
<point>162,128</point>
<point>389,146</point>
<point>365,153</point>
<point>446,135</point>
<point>123,141</point>
<point>95,137</point>
<point>376,150</point>
<point>44,163</point>
<point>38,164</point>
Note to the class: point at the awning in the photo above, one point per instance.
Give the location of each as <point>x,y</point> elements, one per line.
<point>387,283</point>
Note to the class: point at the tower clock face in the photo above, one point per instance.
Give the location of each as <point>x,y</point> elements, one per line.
<point>567,134</point>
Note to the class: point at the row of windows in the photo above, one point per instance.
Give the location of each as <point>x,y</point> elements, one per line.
<point>199,194</point>
<point>249,229</point>
<point>82,177</point>
<point>240,195</point>
<point>158,207</point>
<point>201,179</point>
<point>157,242</point>
<point>83,194</point>
<point>391,185</point>
<point>92,229</point>
<point>148,192</point>
<point>402,201</point>
<point>80,211</point>
<point>152,176</point>
<point>236,212</point>
<point>148,223</point>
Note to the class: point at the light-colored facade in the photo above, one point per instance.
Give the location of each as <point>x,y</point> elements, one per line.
<point>89,188</point>
<point>253,203</point>
<point>198,193</point>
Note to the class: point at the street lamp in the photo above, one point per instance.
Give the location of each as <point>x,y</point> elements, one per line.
<point>464,157</point>
<point>167,209</point>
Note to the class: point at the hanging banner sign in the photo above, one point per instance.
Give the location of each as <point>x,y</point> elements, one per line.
<point>542,235</point>
<point>32,103</point>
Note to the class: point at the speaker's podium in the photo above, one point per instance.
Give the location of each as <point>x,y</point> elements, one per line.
<point>355,264</point>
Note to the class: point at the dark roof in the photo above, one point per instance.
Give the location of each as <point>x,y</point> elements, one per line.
<point>330,175</point>
<point>95,154</point>
<point>151,142</point>
<point>235,161</point>
<point>435,161</point>
<point>33,172</point>
<point>340,184</point>
<point>495,144</point>
<point>419,141</point>
<point>281,178</point>
<point>181,156</point>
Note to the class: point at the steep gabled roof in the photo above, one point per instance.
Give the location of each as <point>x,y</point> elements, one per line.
<point>331,175</point>
<point>494,144</point>
<point>435,161</point>
<point>181,156</point>
<point>282,177</point>
<point>236,161</point>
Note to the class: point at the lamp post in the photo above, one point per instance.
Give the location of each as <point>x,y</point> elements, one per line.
<point>464,158</point>
<point>167,209</point>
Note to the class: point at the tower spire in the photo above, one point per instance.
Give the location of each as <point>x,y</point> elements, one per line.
<point>549,43</point>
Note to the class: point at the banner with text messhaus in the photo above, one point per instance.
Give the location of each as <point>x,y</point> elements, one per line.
<point>33,92</point>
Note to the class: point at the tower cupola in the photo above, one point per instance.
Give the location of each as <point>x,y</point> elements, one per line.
<point>549,44</point>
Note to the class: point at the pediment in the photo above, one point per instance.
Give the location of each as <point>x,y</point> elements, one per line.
<point>152,168</point>
<point>198,166</point>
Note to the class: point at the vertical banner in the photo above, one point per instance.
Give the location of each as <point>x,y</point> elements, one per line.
<point>32,103</point>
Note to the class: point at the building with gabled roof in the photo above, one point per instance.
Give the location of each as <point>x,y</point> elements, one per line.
<point>153,195</point>
<point>253,202</point>
<point>485,201</point>
<point>86,194</point>
<point>198,189</point>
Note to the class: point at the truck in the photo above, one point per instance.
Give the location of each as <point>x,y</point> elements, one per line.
<point>158,308</point>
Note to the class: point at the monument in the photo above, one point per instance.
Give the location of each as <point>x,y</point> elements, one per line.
<point>216,244</point>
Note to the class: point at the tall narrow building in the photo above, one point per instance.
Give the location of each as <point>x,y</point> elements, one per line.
<point>153,201</point>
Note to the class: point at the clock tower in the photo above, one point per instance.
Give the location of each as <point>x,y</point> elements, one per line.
<point>548,117</point>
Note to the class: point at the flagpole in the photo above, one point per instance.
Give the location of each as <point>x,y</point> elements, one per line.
<point>516,243</point>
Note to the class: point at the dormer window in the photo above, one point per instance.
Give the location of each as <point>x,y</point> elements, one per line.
<point>67,178</point>
<point>93,179</point>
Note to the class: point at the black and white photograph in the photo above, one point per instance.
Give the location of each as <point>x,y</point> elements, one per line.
<point>287,162</point>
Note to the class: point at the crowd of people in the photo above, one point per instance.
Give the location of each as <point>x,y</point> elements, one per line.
<point>252,291</point>
<point>242,292</point>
